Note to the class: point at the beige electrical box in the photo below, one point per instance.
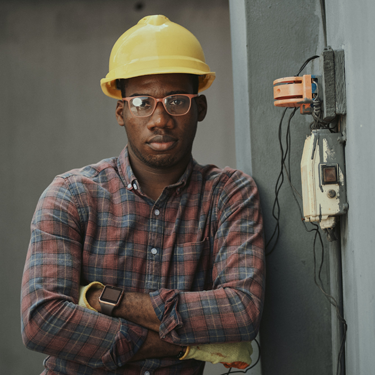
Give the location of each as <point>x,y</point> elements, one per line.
<point>323,179</point>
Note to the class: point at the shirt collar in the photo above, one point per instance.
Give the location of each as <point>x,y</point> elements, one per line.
<point>128,177</point>
<point>125,168</point>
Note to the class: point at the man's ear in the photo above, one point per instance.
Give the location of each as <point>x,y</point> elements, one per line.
<point>202,107</point>
<point>120,112</point>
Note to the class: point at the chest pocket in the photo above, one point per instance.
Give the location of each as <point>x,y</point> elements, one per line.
<point>193,266</point>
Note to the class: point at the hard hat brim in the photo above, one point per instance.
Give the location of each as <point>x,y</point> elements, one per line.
<point>110,89</point>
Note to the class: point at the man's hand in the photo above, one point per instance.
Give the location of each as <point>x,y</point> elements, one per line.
<point>229,354</point>
<point>153,347</point>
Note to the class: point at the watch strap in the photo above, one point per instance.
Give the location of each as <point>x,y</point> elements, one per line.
<point>106,308</point>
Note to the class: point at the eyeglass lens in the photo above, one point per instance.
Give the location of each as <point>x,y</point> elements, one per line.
<point>174,105</point>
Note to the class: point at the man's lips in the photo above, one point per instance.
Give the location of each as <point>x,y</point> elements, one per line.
<point>162,142</point>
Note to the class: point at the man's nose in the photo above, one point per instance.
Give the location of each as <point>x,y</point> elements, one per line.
<point>160,118</point>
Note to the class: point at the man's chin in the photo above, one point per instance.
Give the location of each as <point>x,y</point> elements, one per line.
<point>160,161</point>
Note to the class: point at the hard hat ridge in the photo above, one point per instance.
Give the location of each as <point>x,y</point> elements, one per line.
<point>156,46</point>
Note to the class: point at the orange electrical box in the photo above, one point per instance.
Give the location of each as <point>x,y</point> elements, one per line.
<point>294,92</point>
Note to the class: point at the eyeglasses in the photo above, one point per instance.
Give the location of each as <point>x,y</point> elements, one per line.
<point>175,105</point>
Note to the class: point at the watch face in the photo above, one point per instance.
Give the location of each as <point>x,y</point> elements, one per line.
<point>111,294</point>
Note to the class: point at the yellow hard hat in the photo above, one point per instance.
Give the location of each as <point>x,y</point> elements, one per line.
<point>155,46</point>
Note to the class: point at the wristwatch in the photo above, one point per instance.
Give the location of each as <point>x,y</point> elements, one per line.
<point>110,298</point>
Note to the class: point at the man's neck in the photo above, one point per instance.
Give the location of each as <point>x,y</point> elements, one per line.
<point>154,180</point>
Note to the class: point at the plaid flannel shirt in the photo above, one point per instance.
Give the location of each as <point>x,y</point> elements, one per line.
<point>197,251</point>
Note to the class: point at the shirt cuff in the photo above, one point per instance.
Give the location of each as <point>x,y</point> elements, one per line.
<point>128,341</point>
<point>165,304</point>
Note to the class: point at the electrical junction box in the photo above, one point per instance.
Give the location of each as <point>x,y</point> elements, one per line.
<point>323,178</point>
<point>295,92</point>
<point>331,84</point>
<point>322,165</point>
<point>329,87</point>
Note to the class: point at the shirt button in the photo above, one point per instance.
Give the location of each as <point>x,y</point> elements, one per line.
<point>154,251</point>
<point>129,186</point>
<point>147,372</point>
<point>135,186</point>
<point>157,212</point>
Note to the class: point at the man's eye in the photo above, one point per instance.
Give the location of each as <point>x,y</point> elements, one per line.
<point>141,103</point>
<point>177,102</point>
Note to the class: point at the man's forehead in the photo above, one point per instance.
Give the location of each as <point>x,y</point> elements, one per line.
<point>159,83</point>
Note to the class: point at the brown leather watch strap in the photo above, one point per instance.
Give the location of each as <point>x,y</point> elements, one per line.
<point>106,308</point>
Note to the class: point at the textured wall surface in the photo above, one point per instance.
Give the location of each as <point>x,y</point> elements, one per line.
<point>54,116</point>
<point>278,37</point>
<point>350,26</point>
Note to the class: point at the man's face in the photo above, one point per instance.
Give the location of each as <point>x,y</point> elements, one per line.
<point>161,141</point>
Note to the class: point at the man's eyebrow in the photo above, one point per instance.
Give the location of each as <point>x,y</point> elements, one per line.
<point>168,93</point>
<point>177,92</point>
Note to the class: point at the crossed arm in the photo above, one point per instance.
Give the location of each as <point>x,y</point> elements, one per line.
<point>137,308</point>
<point>55,325</point>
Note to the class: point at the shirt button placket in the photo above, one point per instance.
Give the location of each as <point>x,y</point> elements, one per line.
<point>155,241</point>
<point>154,251</point>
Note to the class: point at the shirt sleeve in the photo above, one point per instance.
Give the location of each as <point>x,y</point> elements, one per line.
<point>52,322</point>
<point>231,311</point>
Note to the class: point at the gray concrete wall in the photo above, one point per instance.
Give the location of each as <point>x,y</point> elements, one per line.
<point>276,38</point>
<point>54,116</point>
<point>350,25</point>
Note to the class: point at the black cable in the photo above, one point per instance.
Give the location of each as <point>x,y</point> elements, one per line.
<point>276,214</point>
<point>329,297</point>
<point>324,21</point>
<point>317,275</point>
<point>305,63</point>
<point>280,180</point>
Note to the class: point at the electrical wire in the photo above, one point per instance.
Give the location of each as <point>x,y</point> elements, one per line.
<point>305,64</point>
<point>317,274</point>
<point>318,281</point>
<point>280,179</point>
<point>286,166</point>
<point>324,20</point>
<point>318,123</point>
<point>317,271</point>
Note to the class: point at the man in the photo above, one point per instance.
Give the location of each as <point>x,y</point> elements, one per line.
<point>176,246</point>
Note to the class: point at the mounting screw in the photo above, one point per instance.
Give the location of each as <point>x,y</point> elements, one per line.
<point>331,193</point>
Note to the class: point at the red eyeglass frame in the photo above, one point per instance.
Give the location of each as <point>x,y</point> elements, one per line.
<point>157,100</point>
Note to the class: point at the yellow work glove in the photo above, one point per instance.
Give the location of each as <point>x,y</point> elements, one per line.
<point>229,354</point>
<point>82,293</point>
